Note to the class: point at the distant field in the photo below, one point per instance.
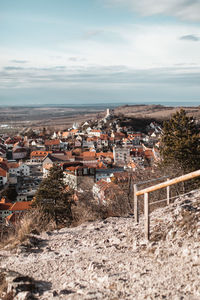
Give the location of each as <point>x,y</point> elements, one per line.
<point>155,111</point>
<point>36,117</point>
<point>21,118</point>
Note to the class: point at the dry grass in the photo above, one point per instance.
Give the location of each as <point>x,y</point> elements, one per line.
<point>82,213</point>
<point>3,288</point>
<point>33,221</point>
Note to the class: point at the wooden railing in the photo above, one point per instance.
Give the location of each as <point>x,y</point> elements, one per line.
<point>156,187</point>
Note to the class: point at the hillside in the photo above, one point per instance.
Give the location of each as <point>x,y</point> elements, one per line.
<point>15,119</point>
<point>109,259</point>
<point>158,112</point>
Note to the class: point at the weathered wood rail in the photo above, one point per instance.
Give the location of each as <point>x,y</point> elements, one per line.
<point>156,187</point>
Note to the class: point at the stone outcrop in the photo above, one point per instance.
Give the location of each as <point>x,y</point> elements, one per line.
<point>109,259</point>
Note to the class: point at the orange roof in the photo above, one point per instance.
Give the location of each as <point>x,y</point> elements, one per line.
<point>105,154</point>
<point>5,206</point>
<point>52,142</point>
<point>89,154</point>
<point>77,151</point>
<point>72,168</point>
<point>40,153</point>
<point>103,136</point>
<point>137,149</point>
<point>24,205</point>
<point>3,200</point>
<point>100,165</point>
<point>3,172</point>
<point>68,153</point>
<point>96,130</point>
<point>13,165</point>
<point>132,165</point>
<point>74,131</point>
<point>65,134</point>
<point>92,139</point>
<point>108,186</point>
<point>119,134</point>
<point>11,218</point>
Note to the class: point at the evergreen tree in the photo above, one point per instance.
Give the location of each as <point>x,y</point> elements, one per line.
<point>53,198</point>
<point>180,143</point>
<point>10,193</point>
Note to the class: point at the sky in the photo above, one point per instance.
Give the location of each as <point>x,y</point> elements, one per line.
<point>99,51</point>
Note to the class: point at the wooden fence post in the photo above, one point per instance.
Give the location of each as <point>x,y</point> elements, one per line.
<point>168,194</point>
<point>136,209</point>
<point>146,216</point>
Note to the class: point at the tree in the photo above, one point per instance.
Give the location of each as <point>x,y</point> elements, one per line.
<point>180,143</point>
<point>10,193</point>
<point>53,198</point>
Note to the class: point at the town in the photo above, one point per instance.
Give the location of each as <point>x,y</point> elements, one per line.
<point>94,156</point>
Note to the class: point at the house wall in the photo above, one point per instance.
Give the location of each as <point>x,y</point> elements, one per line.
<point>19,155</point>
<point>21,198</point>
<point>121,155</point>
<point>71,180</point>
<point>3,180</point>
<point>24,169</point>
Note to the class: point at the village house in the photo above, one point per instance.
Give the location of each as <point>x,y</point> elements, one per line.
<point>121,155</point>
<point>105,193</point>
<point>3,151</point>
<point>4,209</point>
<point>38,156</point>
<point>11,141</point>
<point>106,173</point>
<point>3,177</point>
<point>51,145</point>
<point>17,210</point>
<point>74,176</point>
<point>94,132</point>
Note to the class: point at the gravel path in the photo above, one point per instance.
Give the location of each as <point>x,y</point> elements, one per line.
<point>109,259</point>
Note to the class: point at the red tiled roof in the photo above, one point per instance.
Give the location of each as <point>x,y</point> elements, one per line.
<point>5,206</point>
<point>89,154</point>
<point>65,134</point>
<point>4,200</point>
<point>104,137</point>
<point>3,172</point>
<point>96,130</point>
<point>19,150</point>
<point>11,218</point>
<point>74,131</point>
<point>40,153</point>
<point>149,153</point>
<point>105,154</point>
<point>25,205</point>
<point>13,165</point>
<point>52,142</point>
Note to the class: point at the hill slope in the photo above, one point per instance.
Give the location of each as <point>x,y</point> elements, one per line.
<point>109,259</point>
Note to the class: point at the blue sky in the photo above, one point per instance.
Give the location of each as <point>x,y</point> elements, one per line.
<point>92,51</point>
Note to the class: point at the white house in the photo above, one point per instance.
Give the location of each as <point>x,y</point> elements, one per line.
<point>18,169</point>
<point>3,177</point>
<point>94,132</point>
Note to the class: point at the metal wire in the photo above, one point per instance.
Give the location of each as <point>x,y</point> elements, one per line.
<point>151,203</point>
<point>152,180</point>
<point>157,201</point>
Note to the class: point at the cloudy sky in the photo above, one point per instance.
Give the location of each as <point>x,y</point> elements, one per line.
<point>92,51</point>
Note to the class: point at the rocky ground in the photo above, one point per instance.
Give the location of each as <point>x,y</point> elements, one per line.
<point>109,259</point>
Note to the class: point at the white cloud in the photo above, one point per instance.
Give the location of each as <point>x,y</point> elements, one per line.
<point>136,46</point>
<point>184,9</point>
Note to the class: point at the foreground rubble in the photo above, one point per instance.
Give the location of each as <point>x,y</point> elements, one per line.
<point>109,259</point>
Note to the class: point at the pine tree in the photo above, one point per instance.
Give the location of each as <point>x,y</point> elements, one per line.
<point>180,143</point>
<point>53,198</point>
